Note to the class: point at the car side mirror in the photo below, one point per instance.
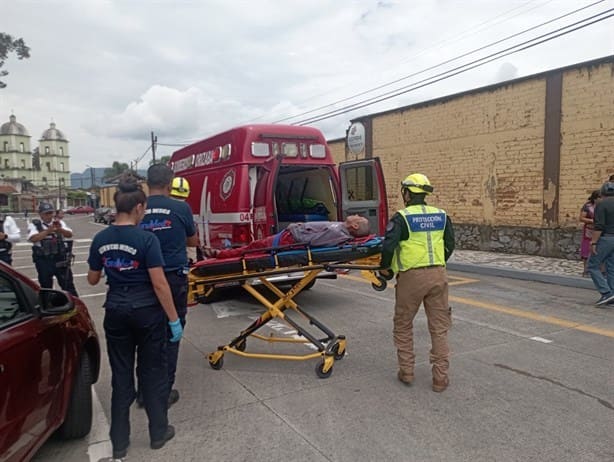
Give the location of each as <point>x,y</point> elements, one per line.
<point>53,302</point>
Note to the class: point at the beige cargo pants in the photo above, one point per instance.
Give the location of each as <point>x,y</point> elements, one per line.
<point>414,287</point>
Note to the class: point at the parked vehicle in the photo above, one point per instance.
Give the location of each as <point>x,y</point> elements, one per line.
<point>109,217</point>
<point>49,359</point>
<point>99,214</point>
<point>80,209</point>
<point>252,181</point>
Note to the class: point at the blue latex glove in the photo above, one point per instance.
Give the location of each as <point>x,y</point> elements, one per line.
<point>176,330</point>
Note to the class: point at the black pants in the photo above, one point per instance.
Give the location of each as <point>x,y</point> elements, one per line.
<point>130,327</point>
<point>47,267</point>
<point>179,289</point>
<point>6,257</point>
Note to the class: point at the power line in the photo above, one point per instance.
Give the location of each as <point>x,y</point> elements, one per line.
<point>440,64</point>
<point>140,158</point>
<point>466,33</point>
<point>457,70</point>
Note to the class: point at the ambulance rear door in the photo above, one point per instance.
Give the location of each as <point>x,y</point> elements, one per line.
<point>265,211</point>
<point>363,192</point>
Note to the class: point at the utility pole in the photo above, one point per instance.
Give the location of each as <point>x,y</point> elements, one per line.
<point>154,140</point>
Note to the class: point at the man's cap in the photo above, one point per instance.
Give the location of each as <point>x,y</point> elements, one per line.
<point>45,207</point>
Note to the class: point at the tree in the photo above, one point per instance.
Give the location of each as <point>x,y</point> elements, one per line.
<point>162,160</point>
<point>116,169</point>
<point>10,45</point>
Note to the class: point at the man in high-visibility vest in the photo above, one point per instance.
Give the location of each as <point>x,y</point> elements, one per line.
<point>419,241</point>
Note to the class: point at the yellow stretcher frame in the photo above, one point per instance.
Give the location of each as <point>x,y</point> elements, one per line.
<point>329,348</point>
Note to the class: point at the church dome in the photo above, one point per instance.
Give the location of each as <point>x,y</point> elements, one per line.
<point>52,133</point>
<point>13,128</point>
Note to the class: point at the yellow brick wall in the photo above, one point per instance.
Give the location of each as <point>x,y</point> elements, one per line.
<point>484,151</point>
<point>587,135</point>
<point>337,150</point>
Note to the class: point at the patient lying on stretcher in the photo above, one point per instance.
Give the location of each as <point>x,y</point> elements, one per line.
<point>315,234</point>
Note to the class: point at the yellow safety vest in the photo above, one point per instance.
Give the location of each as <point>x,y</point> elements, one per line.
<point>425,246</point>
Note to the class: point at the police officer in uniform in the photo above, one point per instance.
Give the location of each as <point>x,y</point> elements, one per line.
<point>9,235</point>
<point>51,249</point>
<point>172,222</point>
<point>419,240</point>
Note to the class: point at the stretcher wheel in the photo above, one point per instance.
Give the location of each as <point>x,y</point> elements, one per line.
<point>382,284</point>
<point>320,371</point>
<point>217,365</point>
<point>338,354</point>
<point>241,345</point>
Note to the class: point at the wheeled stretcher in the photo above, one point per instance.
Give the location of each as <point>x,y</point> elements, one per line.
<point>265,264</point>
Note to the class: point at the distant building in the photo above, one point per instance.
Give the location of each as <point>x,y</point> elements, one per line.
<point>31,171</point>
<point>90,178</point>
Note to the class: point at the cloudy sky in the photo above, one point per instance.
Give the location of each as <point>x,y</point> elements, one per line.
<point>109,72</point>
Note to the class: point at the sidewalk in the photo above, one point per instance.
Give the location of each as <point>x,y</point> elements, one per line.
<point>525,267</point>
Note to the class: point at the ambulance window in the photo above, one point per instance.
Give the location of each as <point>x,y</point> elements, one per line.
<point>275,149</point>
<point>360,183</point>
<point>289,149</point>
<point>260,149</point>
<point>317,151</point>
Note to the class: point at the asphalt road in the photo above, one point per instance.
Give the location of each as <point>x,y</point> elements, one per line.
<point>531,379</point>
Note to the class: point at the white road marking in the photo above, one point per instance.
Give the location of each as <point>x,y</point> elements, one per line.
<point>227,309</point>
<point>101,294</point>
<point>541,339</point>
<point>99,444</point>
<point>282,328</point>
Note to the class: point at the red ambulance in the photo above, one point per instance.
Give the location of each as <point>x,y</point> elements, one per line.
<point>252,181</point>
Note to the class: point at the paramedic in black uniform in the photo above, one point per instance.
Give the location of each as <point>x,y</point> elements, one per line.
<point>50,249</point>
<point>172,222</point>
<point>138,308</point>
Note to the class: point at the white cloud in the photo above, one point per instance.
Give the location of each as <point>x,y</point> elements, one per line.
<point>162,109</point>
<point>507,71</point>
<point>109,72</point>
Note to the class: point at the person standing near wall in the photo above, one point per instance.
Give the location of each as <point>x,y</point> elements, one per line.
<point>586,218</point>
<point>602,245</point>
<point>173,224</point>
<point>9,235</point>
<point>419,240</point>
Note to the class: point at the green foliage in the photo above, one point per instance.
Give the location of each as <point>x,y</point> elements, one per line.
<point>76,195</point>
<point>116,169</point>
<point>10,45</point>
<point>161,160</point>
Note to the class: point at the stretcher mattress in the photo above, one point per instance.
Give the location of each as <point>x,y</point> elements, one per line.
<point>289,256</point>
